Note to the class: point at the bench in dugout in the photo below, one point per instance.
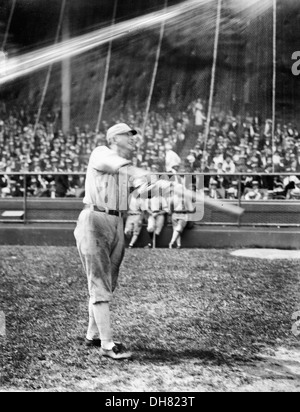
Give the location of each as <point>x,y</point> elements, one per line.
<point>15,215</point>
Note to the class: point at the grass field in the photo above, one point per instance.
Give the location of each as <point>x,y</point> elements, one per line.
<point>197,320</point>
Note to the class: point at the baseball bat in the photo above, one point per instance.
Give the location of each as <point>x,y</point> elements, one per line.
<point>224,206</point>
<point>216,204</point>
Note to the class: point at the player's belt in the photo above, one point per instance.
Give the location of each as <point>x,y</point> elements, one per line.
<point>107,211</point>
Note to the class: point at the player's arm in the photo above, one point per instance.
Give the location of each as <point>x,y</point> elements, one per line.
<point>138,178</point>
<point>107,161</point>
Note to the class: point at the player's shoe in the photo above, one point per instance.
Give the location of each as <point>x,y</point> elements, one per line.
<point>171,246</point>
<point>178,247</point>
<point>118,352</point>
<point>149,246</point>
<point>130,246</point>
<point>94,343</point>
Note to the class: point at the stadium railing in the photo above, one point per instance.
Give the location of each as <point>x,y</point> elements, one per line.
<point>267,212</point>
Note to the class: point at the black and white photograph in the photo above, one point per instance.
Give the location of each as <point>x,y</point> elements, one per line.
<point>149,198</point>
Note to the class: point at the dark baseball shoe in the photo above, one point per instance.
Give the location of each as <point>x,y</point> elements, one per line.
<point>94,343</point>
<point>118,352</point>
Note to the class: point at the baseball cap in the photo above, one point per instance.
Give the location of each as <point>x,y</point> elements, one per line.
<point>252,195</point>
<point>119,128</point>
<point>191,158</point>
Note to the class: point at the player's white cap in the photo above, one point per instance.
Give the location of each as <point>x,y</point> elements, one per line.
<point>119,128</point>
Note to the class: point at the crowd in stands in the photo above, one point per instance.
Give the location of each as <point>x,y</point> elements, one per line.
<point>245,146</point>
<point>234,145</point>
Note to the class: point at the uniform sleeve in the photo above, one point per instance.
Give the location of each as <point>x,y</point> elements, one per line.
<point>107,161</point>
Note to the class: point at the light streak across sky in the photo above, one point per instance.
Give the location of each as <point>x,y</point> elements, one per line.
<point>15,67</point>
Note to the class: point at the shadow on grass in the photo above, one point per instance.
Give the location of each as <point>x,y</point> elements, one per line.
<point>211,357</point>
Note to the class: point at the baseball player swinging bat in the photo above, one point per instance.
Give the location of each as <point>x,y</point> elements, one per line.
<point>99,232</point>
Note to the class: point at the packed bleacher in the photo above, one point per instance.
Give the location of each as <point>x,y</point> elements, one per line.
<point>234,145</point>
<point>245,145</point>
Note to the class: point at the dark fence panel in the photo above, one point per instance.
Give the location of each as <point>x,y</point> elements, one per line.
<point>67,211</point>
<point>283,213</point>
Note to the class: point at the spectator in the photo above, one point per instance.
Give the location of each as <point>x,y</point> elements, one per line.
<point>231,194</point>
<point>233,191</point>
<point>228,165</point>
<point>198,113</point>
<point>171,158</point>
<point>256,189</point>
<point>251,195</point>
<point>213,190</point>
<point>294,194</point>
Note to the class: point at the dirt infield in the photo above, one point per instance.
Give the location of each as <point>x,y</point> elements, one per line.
<point>197,320</point>
<point>271,254</point>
